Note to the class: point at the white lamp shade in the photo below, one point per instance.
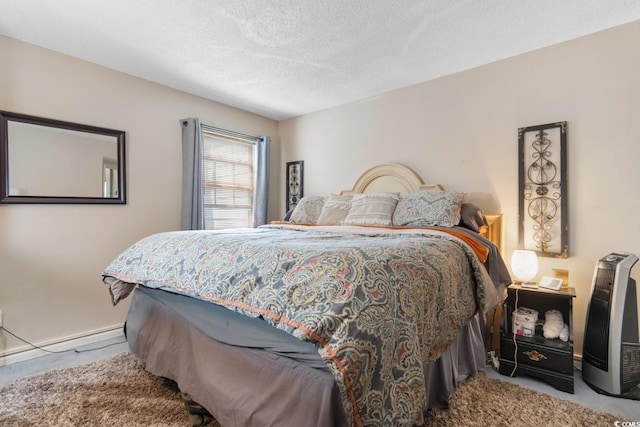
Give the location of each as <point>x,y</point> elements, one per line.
<point>524,265</point>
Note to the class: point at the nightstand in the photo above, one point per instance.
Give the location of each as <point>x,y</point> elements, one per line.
<point>550,360</point>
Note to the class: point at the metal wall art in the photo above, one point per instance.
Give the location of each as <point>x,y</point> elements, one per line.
<point>543,189</point>
<point>294,183</point>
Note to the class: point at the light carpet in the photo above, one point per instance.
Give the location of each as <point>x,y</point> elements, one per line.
<point>117,392</point>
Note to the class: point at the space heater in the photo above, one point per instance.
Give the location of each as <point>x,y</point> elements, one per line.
<point>611,348</point>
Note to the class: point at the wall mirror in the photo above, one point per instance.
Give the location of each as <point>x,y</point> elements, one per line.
<point>52,161</point>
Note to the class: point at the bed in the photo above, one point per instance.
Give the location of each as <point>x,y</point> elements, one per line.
<point>308,324</point>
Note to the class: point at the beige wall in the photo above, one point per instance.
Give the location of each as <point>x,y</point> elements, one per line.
<point>461,131</point>
<point>51,256</point>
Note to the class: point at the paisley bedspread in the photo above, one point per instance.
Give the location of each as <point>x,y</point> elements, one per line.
<point>378,304</point>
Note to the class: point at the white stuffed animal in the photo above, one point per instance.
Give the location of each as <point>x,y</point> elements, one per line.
<point>554,326</point>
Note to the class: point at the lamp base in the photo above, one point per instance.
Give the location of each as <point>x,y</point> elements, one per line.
<point>530,285</point>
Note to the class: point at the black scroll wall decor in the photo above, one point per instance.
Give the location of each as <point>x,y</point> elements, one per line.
<point>294,183</point>
<point>543,189</point>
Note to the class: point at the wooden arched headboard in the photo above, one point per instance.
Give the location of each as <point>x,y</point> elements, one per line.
<point>390,177</point>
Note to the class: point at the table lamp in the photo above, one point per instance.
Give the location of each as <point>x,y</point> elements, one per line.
<point>524,266</point>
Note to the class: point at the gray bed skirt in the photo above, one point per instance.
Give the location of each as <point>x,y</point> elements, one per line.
<point>247,373</point>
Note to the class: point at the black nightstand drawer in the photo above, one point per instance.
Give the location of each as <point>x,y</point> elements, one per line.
<point>562,382</point>
<point>541,357</point>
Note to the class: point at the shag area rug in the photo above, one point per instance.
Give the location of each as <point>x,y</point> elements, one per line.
<point>117,392</point>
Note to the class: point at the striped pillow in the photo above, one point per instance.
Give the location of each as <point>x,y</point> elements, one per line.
<point>372,209</point>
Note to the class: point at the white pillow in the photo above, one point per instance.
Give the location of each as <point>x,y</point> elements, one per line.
<point>335,210</point>
<point>372,209</point>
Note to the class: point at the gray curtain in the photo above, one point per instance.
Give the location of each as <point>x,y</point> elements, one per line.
<point>192,187</point>
<point>261,193</point>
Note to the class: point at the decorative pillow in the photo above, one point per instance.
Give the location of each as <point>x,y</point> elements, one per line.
<point>372,209</point>
<point>308,210</point>
<point>335,210</point>
<point>441,208</point>
<point>287,216</point>
<point>472,217</point>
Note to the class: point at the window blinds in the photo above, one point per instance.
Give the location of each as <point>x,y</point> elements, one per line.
<point>228,169</point>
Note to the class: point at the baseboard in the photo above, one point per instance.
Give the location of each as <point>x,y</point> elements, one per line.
<point>577,361</point>
<point>61,344</point>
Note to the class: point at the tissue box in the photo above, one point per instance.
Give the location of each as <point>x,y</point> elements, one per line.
<point>524,321</point>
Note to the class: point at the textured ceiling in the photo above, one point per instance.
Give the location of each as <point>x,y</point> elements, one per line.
<point>282,58</point>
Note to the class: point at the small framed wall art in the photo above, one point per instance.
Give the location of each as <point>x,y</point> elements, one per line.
<point>543,189</point>
<point>294,190</point>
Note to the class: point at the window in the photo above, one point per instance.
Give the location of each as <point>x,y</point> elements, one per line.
<point>229,177</point>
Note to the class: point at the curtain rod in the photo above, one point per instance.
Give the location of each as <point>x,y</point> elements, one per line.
<point>229,133</point>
